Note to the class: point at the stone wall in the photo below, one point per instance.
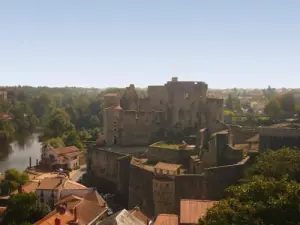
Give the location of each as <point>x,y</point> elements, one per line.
<point>141,189</point>
<point>278,142</point>
<point>217,179</point>
<point>155,154</point>
<point>241,135</point>
<point>188,186</point>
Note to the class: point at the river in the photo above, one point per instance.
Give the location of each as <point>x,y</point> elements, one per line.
<point>16,155</point>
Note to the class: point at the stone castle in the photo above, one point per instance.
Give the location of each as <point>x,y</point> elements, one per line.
<point>133,121</point>
<point>156,177</point>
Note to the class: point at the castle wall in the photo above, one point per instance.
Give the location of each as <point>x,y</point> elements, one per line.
<point>103,169</point>
<point>188,186</point>
<point>241,135</point>
<point>158,97</point>
<point>135,128</point>
<point>217,179</point>
<point>141,189</point>
<point>214,112</point>
<point>156,154</point>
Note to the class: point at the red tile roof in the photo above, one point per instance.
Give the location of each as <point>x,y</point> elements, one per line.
<point>192,210</point>
<point>65,150</point>
<point>166,219</point>
<point>88,208</point>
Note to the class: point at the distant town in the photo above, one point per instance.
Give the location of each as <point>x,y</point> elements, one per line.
<point>170,154</point>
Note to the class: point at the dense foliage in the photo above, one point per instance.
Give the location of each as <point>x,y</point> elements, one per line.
<point>24,208</point>
<point>12,180</point>
<point>269,196</point>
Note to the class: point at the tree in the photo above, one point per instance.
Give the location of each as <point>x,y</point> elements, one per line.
<point>58,124</point>
<point>12,180</point>
<point>24,207</point>
<point>273,109</point>
<point>277,164</point>
<point>259,202</point>
<point>54,142</point>
<point>288,103</point>
<point>72,138</point>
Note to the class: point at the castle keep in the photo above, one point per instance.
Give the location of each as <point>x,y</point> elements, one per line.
<point>175,106</point>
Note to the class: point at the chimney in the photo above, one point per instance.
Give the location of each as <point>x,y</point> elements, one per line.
<point>57,221</point>
<point>174,79</point>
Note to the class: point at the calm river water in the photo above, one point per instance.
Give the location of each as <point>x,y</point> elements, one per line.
<point>17,154</point>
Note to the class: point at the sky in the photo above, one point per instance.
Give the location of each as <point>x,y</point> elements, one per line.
<point>101,43</point>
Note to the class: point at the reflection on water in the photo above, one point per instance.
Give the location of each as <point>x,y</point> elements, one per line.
<point>16,155</point>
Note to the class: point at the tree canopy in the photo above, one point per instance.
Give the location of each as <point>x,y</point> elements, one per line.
<point>24,208</point>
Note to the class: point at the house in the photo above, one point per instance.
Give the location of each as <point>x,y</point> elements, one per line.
<point>76,210</point>
<point>51,189</point>
<point>192,210</point>
<point>61,158</point>
<point>122,217</point>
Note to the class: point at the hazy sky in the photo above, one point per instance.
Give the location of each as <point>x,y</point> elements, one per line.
<point>102,43</point>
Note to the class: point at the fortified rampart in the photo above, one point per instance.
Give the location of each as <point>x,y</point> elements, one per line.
<point>217,179</point>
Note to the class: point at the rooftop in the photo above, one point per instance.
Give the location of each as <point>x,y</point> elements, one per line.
<point>50,183</point>
<point>166,219</point>
<point>192,210</point>
<point>65,150</point>
<point>167,166</point>
<point>136,212</point>
<point>122,217</point>
<point>86,208</point>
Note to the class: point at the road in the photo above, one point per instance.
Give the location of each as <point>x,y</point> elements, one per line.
<point>75,175</point>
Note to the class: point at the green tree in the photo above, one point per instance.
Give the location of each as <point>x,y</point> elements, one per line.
<point>288,103</point>
<point>12,180</point>
<point>72,138</point>
<point>259,202</point>
<point>277,164</point>
<point>24,207</point>
<point>58,124</point>
<point>273,109</point>
<point>54,142</point>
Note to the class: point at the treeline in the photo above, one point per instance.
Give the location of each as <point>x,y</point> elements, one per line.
<point>283,106</point>
<point>67,115</point>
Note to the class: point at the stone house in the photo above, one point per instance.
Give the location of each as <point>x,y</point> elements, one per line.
<point>87,209</point>
<point>61,158</point>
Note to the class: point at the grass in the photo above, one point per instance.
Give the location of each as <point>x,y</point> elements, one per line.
<point>167,146</point>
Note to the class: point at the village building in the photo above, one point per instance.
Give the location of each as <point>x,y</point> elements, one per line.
<point>170,219</point>
<point>61,158</point>
<point>72,209</point>
<point>52,189</point>
<point>3,95</point>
